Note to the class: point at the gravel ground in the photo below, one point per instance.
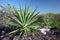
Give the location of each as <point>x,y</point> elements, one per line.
<point>53,34</point>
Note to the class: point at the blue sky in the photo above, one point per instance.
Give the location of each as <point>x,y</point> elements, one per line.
<point>44,6</point>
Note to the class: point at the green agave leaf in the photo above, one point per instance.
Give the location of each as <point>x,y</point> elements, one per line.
<point>25,20</point>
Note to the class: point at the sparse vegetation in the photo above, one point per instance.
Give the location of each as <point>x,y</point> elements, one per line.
<point>25,22</point>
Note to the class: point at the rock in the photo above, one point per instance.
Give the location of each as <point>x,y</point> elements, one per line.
<point>6,38</point>
<point>51,34</point>
<point>44,30</point>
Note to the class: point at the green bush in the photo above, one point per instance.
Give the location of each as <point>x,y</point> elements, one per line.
<point>50,19</point>
<point>24,21</point>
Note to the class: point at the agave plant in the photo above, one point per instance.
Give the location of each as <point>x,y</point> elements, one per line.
<point>24,21</point>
